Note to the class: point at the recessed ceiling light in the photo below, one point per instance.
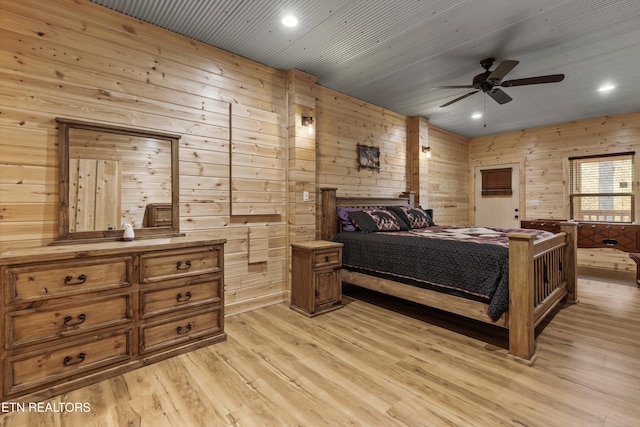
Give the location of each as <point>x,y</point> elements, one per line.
<point>606,87</point>
<point>476,116</point>
<point>289,21</point>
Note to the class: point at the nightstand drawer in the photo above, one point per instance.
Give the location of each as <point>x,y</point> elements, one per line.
<point>30,326</point>
<point>174,331</point>
<point>62,279</point>
<point>72,359</point>
<point>180,263</point>
<point>327,258</point>
<point>158,301</point>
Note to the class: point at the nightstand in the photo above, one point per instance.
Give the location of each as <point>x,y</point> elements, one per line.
<point>316,282</point>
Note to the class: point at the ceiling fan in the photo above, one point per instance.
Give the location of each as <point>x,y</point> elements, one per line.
<point>490,82</point>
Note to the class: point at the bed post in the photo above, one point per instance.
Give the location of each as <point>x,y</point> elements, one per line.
<point>570,261</point>
<point>411,195</point>
<point>522,344</point>
<point>329,222</point>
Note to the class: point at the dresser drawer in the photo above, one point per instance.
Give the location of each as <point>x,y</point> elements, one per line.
<point>547,225</point>
<point>179,263</point>
<point>32,326</point>
<point>159,301</point>
<point>33,370</point>
<point>327,258</point>
<point>174,331</point>
<point>67,278</point>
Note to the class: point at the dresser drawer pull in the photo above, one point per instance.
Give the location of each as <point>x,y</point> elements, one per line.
<point>326,258</point>
<point>183,298</point>
<point>185,266</point>
<point>180,330</point>
<point>68,361</point>
<point>68,320</point>
<point>68,281</point>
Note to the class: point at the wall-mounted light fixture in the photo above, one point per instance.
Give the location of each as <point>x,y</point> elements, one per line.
<point>307,121</point>
<point>427,150</point>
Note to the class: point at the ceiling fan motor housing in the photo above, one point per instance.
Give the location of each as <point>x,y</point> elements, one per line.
<point>487,63</point>
<point>480,81</point>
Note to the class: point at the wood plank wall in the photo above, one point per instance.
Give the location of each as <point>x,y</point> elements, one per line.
<point>442,181</point>
<point>301,89</point>
<point>417,166</point>
<point>544,151</point>
<point>258,163</point>
<point>75,59</point>
<point>343,123</point>
<point>447,182</point>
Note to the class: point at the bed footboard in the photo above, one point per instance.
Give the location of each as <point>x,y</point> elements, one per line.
<point>541,275</point>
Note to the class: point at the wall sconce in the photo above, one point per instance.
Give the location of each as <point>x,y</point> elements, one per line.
<point>427,150</point>
<point>307,121</point>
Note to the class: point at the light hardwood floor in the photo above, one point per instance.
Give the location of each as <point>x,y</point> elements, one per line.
<point>371,366</point>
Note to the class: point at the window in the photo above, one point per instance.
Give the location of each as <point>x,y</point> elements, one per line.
<point>496,182</point>
<point>602,188</point>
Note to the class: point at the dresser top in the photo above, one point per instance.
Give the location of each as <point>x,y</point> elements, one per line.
<point>85,250</point>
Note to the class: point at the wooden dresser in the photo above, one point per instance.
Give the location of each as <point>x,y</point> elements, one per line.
<point>622,236</point>
<point>76,314</point>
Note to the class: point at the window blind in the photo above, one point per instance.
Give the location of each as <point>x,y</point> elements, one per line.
<point>602,188</point>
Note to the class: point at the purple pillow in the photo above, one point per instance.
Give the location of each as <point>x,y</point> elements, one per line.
<point>343,215</point>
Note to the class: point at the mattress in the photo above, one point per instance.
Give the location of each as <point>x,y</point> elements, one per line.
<point>470,262</point>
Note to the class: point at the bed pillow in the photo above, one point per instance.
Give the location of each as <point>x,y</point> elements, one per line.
<point>372,220</point>
<point>343,215</point>
<point>413,217</point>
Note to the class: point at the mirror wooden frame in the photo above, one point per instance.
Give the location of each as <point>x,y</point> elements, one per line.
<point>65,236</point>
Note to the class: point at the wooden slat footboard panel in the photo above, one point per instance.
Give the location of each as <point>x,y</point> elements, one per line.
<point>549,276</point>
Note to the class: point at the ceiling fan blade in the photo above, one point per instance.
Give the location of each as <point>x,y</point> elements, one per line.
<point>454,87</point>
<point>499,96</point>
<point>459,98</point>
<point>501,70</point>
<point>553,78</point>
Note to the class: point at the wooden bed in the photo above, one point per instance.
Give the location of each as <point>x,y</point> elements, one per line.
<point>531,297</point>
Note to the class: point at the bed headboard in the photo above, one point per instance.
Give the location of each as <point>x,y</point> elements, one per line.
<point>330,202</point>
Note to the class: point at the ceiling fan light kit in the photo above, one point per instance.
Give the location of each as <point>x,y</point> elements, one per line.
<point>490,82</point>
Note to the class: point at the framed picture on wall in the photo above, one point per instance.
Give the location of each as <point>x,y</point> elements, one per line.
<point>368,157</point>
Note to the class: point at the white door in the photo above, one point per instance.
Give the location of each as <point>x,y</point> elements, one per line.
<point>498,211</point>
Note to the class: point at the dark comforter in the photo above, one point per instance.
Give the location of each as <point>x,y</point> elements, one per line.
<point>470,262</point>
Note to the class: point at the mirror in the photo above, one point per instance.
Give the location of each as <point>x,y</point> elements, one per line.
<point>111,176</point>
